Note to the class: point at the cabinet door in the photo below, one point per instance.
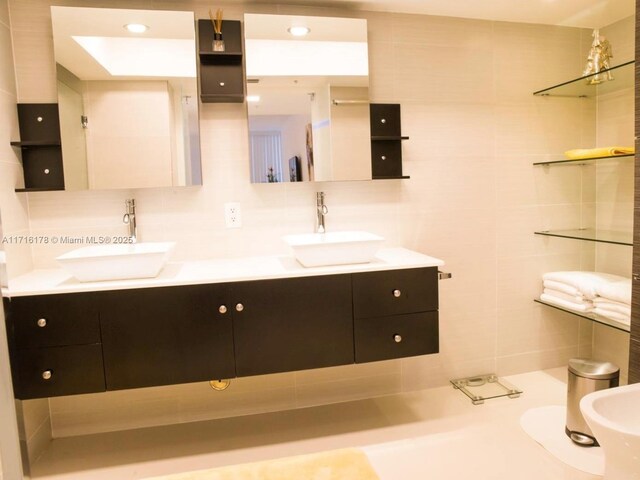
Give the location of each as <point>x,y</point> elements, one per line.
<point>396,336</point>
<point>163,336</point>
<point>293,324</point>
<point>53,320</point>
<point>395,292</point>
<point>54,371</point>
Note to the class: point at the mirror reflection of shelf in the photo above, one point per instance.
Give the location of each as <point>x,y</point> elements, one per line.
<point>582,161</point>
<point>590,316</point>
<point>591,235</point>
<point>623,77</point>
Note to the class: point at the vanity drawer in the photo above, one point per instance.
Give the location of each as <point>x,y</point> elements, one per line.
<point>54,320</point>
<point>395,292</point>
<point>55,371</point>
<point>397,336</point>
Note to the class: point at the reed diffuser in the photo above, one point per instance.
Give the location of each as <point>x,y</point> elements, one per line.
<point>216,21</point>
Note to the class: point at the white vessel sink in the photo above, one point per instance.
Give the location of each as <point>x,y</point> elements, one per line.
<point>614,418</point>
<point>334,248</point>
<point>117,262</point>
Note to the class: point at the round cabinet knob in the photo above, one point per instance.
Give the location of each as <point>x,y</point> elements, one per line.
<point>42,322</point>
<point>383,120</point>
<point>222,309</point>
<point>46,171</point>
<point>239,307</point>
<point>47,374</point>
<point>39,119</point>
<point>397,293</point>
<point>397,338</point>
<point>222,84</point>
<point>383,157</point>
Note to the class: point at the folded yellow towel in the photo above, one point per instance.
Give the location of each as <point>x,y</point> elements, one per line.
<point>598,152</point>
<point>348,464</point>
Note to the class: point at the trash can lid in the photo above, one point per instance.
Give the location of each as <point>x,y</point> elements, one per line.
<point>595,369</point>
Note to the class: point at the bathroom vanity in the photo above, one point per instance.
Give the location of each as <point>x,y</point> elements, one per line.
<point>200,321</point>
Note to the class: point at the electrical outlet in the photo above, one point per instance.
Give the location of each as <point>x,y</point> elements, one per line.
<point>232,215</point>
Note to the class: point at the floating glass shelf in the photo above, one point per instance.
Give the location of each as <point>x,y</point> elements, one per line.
<point>592,235</point>
<point>623,77</point>
<point>581,161</point>
<point>590,316</point>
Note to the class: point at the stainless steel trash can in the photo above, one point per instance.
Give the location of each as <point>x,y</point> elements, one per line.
<point>586,376</point>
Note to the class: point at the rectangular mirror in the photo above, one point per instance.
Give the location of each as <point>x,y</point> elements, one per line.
<point>127,97</point>
<point>307,98</point>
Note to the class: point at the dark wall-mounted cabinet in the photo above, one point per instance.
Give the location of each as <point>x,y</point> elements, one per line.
<point>92,342</point>
<point>40,147</point>
<point>386,141</point>
<point>221,74</point>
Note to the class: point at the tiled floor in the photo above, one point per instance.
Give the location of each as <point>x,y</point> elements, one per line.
<point>434,433</point>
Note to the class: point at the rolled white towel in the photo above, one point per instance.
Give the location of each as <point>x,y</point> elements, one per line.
<point>618,291</point>
<point>613,307</point>
<point>586,282</point>
<point>565,296</point>
<point>577,307</point>
<point>619,317</point>
<point>562,287</point>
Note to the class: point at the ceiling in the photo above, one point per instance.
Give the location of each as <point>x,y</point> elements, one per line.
<point>574,13</point>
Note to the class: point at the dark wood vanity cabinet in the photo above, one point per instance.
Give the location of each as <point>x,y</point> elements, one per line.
<point>293,324</point>
<point>92,342</point>
<point>164,336</point>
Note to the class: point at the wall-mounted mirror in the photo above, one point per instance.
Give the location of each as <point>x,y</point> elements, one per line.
<point>308,98</point>
<point>128,97</point>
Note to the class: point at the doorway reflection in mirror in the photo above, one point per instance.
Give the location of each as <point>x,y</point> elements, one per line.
<point>307,99</point>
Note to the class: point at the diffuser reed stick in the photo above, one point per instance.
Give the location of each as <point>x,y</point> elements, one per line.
<point>216,21</point>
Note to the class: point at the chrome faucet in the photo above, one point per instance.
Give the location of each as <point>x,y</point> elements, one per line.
<point>129,219</point>
<point>321,210</point>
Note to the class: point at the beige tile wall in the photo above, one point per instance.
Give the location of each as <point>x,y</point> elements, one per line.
<point>615,188</point>
<point>474,200</point>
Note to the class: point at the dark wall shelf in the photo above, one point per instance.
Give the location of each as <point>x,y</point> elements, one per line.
<point>382,138</point>
<point>403,177</point>
<point>35,144</point>
<point>40,147</point>
<point>386,141</point>
<point>221,74</point>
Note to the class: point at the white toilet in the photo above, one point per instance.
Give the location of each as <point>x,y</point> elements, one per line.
<point>614,418</point>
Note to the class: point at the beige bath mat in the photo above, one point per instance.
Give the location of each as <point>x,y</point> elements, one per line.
<point>348,464</point>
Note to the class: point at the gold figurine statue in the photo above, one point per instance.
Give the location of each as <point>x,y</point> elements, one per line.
<point>598,60</point>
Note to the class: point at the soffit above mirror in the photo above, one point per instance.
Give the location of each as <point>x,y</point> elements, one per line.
<point>568,13</point>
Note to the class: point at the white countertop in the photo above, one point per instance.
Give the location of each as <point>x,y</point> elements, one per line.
<point>57,280</point>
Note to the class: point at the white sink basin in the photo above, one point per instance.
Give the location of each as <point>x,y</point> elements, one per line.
<point>117,262</point>
<point>614,418</point>
<point>334,248</point>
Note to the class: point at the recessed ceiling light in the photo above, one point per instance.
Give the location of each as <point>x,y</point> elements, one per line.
<point>136,27</point>
<point>298,31</point>
<point>253,98</point>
